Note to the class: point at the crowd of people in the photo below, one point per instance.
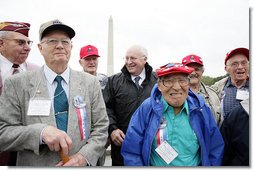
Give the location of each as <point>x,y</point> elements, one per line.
<point>56,116</point>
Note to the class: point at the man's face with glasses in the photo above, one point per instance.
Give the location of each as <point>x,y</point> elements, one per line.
<point>135,60</point>
<point>15,47</point>
<point>238,67</point>
<point>174,89</point>
<point>56,47</point>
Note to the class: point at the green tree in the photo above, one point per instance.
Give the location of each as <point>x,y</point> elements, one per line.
<point>211,80</point>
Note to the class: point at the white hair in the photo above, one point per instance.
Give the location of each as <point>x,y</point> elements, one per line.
<point>140,49</point>
<point>3,34</point>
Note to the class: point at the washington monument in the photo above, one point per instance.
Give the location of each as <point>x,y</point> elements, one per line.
<point>110,66</point>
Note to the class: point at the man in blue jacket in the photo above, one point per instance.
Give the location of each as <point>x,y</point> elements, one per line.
<point>174,127</point>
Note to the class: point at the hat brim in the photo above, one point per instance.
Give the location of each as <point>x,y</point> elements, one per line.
<point>243,51</point>
<point>178,71</point>
<point>89,55</point>
<point>65,28</point>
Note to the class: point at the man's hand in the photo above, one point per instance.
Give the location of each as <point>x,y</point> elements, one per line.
<point>117,137</point>
<point>75,160</point>
<point>56,139</point>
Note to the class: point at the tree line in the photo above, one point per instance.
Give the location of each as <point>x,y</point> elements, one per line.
<point>211,80</point>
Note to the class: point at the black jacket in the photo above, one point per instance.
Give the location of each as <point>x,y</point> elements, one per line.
<point>122,97</point>
<point>235,132</point>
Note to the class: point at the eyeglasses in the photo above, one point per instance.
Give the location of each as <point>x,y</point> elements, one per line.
<point>236,64</point>
<point>132,58</point>
<point>21,42</point>
<point>182,81</point>
<point>54,42</point>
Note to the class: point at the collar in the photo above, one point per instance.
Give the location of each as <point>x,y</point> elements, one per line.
<point>51,75</point>
<point>142,76</point>
<point>229,83</point>
<point>7,65</point>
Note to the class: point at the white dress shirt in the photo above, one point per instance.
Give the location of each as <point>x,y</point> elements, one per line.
<point>142,76</point>
<point>51,75</point>
<point>6,68</point>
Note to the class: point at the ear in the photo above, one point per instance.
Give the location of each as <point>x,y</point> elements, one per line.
<point>1,44</point>
<point>39,47</point>
<point>159,85</point>
<point>226,68</point>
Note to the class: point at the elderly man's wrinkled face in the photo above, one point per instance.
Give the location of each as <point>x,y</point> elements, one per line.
<point>174,89</point>
<point>135,61</point>
<point>238,67</point>
<point>89,64</point>
<point>196,75</point>
<point>56,47</point>
<point>15,47</point>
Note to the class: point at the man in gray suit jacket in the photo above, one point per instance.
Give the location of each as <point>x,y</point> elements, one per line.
<point>29,122</point>
<point>15,46</point>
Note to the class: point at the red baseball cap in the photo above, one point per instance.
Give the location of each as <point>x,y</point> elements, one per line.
<point>192,59</point>
<point>172,68</point>
<point>88,50</point>
<point>19,27</point>
<point>243,51</point>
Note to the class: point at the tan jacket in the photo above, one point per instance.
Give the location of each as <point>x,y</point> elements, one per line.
<point>219,86</point>
<point>20,132</point>
<point>213,101</point>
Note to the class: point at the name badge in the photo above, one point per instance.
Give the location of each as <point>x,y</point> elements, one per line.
<point>39,107</point>
<point>166,152</point>
<point>242,94</point>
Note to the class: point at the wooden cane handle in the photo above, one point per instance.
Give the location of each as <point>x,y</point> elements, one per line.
<point>64,158</point>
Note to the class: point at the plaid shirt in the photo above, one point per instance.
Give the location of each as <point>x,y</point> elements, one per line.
<point>229,100</point>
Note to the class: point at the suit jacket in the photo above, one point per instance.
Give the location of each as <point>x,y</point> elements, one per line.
<point>29,67</point>
<point>20,132</point>
<point>9,158</point>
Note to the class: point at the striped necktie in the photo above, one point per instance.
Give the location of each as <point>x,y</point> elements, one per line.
<point>137,81</point>
<point>61,105</point>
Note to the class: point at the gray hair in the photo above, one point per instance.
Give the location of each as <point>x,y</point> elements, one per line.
<point>3,34</point>
<point>140,49</point>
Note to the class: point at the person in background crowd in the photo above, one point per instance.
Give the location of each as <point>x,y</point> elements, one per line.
<point>197,86</point>
<point>89,61</point>
<point>234,88</point>
<point>235,132</point>
<point>174,127</point>
<point>124,92</point>
<point>54,116</point>
<point>15,46</point>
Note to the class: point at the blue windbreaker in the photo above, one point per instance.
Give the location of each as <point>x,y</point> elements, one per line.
<point>145,122</point>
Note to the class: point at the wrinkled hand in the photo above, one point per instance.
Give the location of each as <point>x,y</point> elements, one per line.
<point>117,137</point>
<point>75,160</point>
<point>56,139</point>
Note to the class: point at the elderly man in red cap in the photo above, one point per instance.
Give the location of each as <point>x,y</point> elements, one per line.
<point>174,127</point>
<point>15,46</point>
<point>197,86</point>
<point>234,88</point>
<point>89,62</point>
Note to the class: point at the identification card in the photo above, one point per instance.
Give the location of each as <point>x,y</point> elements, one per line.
<point>166,152</point>
<point>242,94</point>
<point>39,107</point>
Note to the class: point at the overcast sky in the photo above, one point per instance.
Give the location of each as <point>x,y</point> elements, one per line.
<point>169,29</point>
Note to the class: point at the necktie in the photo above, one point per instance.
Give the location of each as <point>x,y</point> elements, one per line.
<point>15,69</point>
<point>137,80</point>
<point>61,105</point>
